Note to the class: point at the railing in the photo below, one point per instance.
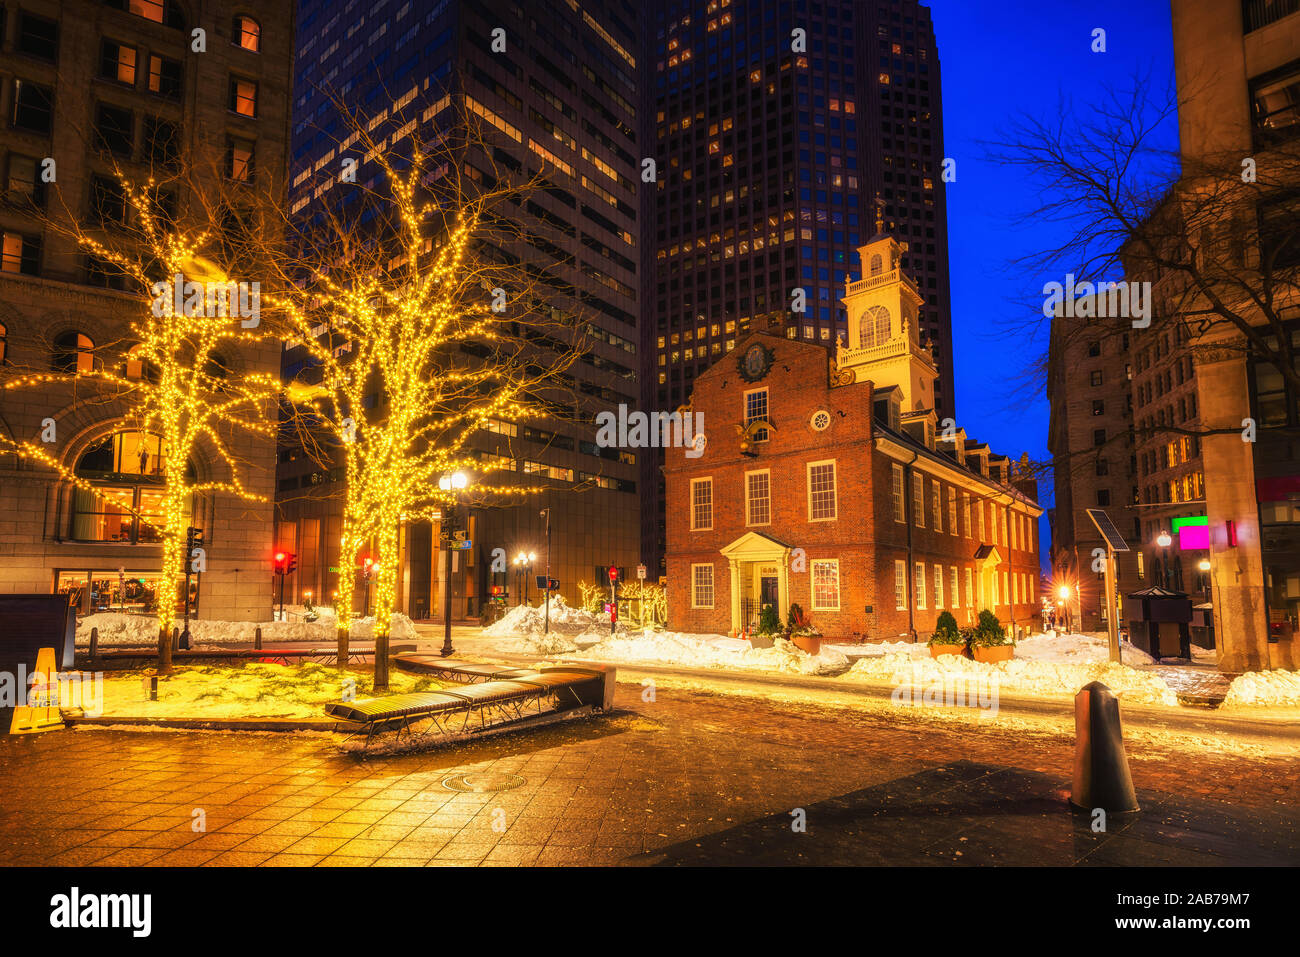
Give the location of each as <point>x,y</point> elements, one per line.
<point>1260,13</point>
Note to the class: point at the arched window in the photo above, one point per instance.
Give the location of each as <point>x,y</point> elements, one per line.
<point>874,327</point>
<point>246,33</point>
<point>165,12</point>
<point>74,352</point>
<point>877,265</point>
<point>124,503</point>
<point>138,367</point>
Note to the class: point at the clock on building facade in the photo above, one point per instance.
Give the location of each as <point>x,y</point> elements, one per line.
<point>755,362</point>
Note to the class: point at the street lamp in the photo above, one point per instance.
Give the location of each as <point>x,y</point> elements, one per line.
<point>450,484</point>
<point>1064,602</point>
<point>1164,540</point>
<point>525,563</point>
<point>1204,567</point>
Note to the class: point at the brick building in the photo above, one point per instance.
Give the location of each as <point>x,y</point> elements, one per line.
<point>827,483</point>
<point>90,84</point>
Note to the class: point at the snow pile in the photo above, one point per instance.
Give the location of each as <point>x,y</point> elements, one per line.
<point>116,628</point>
<point>1263,689</point>
<point>1060,648</point>
<point>714,651</point>
<point>1040,677</point>
<point>529,621</point>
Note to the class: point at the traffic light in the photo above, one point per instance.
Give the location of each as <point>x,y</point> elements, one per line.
<point>193,538</point>
<point>280,562</point>
<point>291,564</point>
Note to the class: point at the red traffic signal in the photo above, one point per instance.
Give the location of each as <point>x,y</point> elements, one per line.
<point>284,563</point>
<point>613,573</point>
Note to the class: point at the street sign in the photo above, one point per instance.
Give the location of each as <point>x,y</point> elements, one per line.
<point>640,572</point>
<point>555,584</point>
<point>541,582</point>
<point>462,544</point>
<point>459,535</point>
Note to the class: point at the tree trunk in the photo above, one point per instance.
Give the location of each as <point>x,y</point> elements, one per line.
<point>343,602</point>
<point>385,597</point>
<point>170,582</point>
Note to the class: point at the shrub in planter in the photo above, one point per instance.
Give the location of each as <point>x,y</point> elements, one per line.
<point>800,630</point>
<point>989,641</point>
<point>947,639</point>
<point>769,623</point>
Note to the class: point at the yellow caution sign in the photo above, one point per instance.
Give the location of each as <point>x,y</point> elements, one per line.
<point>41,713</point>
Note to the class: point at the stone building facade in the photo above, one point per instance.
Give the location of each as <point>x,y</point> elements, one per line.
<point>86,84</point>
<point>831,486</point>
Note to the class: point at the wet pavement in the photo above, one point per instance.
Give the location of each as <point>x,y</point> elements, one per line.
<point>687,778</point>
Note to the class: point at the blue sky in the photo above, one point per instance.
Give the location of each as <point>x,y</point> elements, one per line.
<point>1000,59</point>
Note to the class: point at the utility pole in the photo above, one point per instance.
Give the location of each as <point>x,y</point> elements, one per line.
<point>546,513</point>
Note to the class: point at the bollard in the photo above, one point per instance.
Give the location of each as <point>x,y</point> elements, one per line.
<point>94,642</point>
<point>257,638</point>
<point>176,639</point>
<point>1101,774</point>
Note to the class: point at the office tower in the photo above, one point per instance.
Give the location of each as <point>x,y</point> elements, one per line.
<point>775,130</point>
<point>86,86</point>
<point>557,97</point>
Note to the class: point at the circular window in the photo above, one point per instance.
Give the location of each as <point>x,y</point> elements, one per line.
<point>820,421</point>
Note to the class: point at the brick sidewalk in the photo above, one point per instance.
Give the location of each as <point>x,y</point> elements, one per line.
<point>688,778</point>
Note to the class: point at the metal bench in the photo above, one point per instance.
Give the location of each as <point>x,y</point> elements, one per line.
<point>526,699</point>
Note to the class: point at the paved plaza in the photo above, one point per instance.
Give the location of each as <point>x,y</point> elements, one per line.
<point>689,778</point>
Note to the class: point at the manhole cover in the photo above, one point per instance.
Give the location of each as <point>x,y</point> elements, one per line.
<point>481,781</point>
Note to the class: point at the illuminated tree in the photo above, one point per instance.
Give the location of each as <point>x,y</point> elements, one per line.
<point>170,374</point>
<point>424,324</point>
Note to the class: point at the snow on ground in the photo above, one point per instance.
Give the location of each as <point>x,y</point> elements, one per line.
<point>1023,675</point>
<point>714,651</point>
<point>250,691</point>
<point>116,628</point>
<point>1264,689</point>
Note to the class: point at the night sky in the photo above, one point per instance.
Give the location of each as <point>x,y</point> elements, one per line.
<point>1000,59</point>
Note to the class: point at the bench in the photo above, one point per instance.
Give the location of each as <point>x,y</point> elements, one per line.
<point>525,699</point>
<point>455,670</point>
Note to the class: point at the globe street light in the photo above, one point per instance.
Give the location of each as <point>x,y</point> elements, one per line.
<point>450,484</point>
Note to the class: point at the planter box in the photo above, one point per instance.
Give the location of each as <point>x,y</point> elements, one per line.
<point>992,653</point>
<point>937,650</point>
<point>760,641</point>
<point>809,643</point>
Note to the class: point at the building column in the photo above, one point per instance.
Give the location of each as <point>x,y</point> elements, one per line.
<point>735,595</point>
<point>783,588</point>
<point>1237,573</point>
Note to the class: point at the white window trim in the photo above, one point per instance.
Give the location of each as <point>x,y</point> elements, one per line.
<point>918,501</point>
<point>713,581</point>
<point>970,597</point>
<point>745,409</point>
<point>938,587</point>
<point>812,582</point>
<point>900,566</point>
<point>919,580</point>
<point>694,482</point>
<point>898,482</point>
<point>954,582</point>
<point>768,473</point>
<point>835,489</point>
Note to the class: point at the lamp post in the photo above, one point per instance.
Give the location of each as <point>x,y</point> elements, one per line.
<point>1203,566</point>
<point>1064,602</point>
<point>547,513</point>
<point>450,484</point>
<point>1164,540</point>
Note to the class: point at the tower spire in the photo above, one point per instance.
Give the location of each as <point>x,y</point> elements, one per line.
<point>880,215</point>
